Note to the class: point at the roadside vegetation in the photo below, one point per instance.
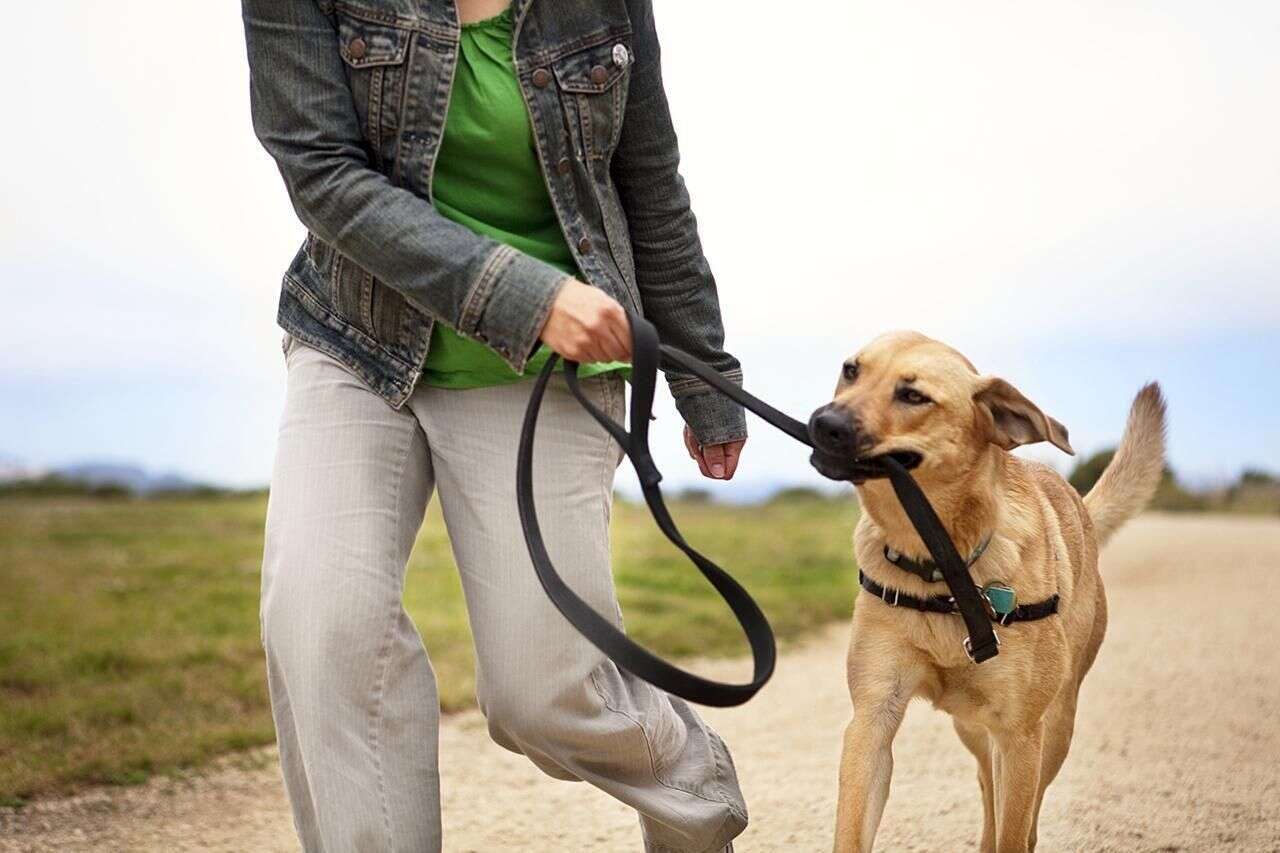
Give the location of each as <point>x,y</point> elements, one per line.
<point>1255,492</point>
<point>129,639</point>
<point>129,626</point>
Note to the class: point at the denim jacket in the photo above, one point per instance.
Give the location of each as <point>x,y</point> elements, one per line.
<point>349,97</point>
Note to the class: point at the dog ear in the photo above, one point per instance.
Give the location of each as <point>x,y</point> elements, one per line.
<point>1014,420</point>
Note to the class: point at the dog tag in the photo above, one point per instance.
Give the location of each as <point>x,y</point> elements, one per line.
<point>1001,596</point>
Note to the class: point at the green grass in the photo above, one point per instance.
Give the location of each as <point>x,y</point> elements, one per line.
<point>129,628</point>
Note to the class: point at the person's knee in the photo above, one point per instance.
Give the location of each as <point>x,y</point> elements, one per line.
<point>527,713</point>
<point>319,638</point>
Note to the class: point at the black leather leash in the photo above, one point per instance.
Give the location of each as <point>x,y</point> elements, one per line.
<point>648,355</point>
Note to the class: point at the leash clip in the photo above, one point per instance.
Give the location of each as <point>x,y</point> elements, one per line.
<point>968,649</point>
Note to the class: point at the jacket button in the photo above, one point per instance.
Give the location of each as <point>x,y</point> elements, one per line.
<point>357,49</point>
<point>599,75</point>
<point>584,246</point>
<point>541,78</point>
<point>564,165</point>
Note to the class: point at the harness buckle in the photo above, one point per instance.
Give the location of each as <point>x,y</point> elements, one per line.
<point>968,647</point>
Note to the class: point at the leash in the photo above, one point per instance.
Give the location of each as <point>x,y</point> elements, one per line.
<point>648,356</point>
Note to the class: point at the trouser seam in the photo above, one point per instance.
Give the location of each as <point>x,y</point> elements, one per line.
<point>382,661</point>
<point>648,745</point>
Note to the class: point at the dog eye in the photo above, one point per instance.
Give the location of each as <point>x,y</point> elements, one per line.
<point>850,372</point>
<point>911,397</point>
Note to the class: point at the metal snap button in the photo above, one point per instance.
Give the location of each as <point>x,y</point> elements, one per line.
<point>599,75</point>
<point>357,49</point>
<point>563,165</point>
<point>541,78</point>
<point>621,57</point>
<point>584,246</point>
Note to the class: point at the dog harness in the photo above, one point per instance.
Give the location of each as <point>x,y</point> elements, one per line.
<point>995,596</point>
<point>648,355</point>
<point>927,570</point>
<point>1001,599</point>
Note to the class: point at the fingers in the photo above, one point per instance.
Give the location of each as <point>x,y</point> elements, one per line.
<point>732,452</point>
<point>691,444</point>
<point>695,451</point>
<point>619,334</point>
<point>714,455</point>
<point>604,329</point>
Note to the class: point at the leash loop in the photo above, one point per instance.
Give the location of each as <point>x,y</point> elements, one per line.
<point>647,356</point>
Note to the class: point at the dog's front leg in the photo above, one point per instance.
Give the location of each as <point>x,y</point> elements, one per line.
<point>1017,775</point>
<point>881,689</point>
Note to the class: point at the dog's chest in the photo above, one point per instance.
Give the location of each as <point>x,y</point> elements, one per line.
<point>960,694</point>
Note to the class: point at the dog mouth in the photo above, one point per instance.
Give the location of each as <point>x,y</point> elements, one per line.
<point>859,470</point>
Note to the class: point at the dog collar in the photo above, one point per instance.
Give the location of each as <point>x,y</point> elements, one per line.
<point>927,570</point>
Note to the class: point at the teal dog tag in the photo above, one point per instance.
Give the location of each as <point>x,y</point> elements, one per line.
<point>1001,596</point>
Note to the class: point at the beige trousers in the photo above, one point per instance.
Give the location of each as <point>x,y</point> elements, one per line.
<point>352,690</point>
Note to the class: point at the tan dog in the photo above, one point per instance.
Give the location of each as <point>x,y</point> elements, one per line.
<point>925,404</point>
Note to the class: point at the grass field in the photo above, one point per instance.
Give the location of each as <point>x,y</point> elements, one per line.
<point>129,628</point>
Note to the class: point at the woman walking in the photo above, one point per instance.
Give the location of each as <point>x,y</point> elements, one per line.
<point>481,185</point>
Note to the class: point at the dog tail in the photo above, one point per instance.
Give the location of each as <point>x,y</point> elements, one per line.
<point>1135,471</point>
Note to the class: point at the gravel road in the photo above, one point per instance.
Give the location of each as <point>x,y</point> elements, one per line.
<point>1177,744</point>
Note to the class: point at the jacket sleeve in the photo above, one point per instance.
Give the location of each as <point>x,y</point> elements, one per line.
<point>675,281</point>
<point>304,115</point>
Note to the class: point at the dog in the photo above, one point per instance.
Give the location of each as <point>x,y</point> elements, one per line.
<point>1023,527</point>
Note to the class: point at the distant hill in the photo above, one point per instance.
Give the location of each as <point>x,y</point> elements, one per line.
<point>96,476</point>
<point>133,478</point>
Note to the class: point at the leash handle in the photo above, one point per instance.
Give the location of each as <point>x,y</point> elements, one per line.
<point>647,354</point>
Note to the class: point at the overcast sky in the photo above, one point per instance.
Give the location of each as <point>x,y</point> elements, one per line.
<point>1080,196</point>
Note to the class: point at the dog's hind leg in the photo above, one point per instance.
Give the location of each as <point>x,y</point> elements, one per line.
<point>976,739</point>
<point>1058,728</point>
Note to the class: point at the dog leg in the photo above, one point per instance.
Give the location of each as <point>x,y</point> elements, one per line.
<point>976,739</point>
<point>1059,726</point>
<point>866,766</point>
<point>1018,756</point>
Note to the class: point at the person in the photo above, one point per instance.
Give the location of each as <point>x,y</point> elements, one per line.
<point>481,186</point>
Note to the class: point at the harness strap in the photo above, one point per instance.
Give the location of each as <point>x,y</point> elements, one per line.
<point>946,604</point>
<point>927,570</point>
<point>648,355</point>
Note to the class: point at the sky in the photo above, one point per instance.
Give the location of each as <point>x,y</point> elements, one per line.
<point>1081,197</point>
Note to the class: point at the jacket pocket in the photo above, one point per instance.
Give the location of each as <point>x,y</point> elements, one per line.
<point>593,83</point>
<point>374,56</point>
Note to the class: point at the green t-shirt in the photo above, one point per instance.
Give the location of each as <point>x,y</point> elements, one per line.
<point>487,177</point>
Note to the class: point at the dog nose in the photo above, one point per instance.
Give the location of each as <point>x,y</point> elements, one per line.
<point>833,431</point>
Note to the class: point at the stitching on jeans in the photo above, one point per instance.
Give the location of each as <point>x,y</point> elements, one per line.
<point>608,393</point>
<point>383,659</point>
<point>681,385</point>
<point>644,735</point>
<point>474,302</point>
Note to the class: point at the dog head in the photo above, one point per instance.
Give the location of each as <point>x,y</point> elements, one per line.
<point>910,397</point>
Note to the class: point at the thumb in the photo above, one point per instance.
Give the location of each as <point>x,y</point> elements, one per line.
<point>714,454</point>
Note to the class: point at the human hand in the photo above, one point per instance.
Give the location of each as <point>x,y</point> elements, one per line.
<point>587,325</point>
<point>716,461</point>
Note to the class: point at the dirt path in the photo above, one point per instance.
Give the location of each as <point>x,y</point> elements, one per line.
<point>1177,745</point>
